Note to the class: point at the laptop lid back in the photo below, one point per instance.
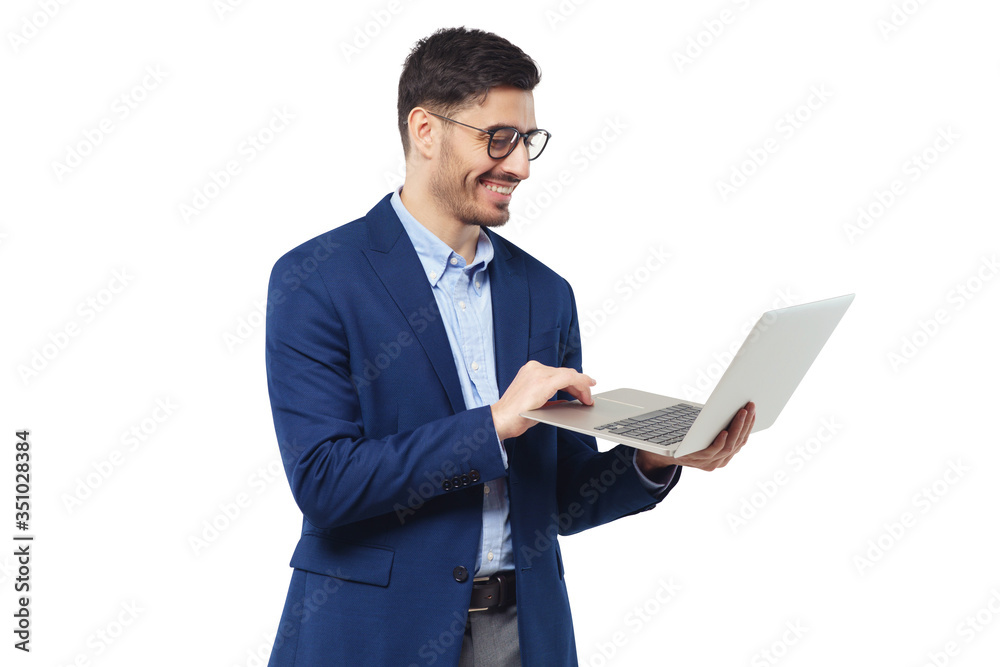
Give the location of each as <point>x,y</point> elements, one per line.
<point>767,368</point>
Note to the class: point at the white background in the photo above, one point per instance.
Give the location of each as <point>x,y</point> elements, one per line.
<point>843,547</point>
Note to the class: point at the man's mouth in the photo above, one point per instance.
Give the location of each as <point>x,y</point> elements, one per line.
<point>496,187</point>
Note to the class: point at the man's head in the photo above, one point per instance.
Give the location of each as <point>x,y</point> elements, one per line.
<point>454,68</point>
<point>460,77</point>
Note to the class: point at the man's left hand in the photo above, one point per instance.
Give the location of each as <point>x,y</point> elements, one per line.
<point>716,455</point>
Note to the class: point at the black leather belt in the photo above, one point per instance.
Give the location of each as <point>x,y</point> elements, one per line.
<point>495,591</point>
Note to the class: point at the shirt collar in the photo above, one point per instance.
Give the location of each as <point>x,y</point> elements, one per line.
<point>435,255</point>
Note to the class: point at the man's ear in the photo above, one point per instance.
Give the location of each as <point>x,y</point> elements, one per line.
<point>422,134</point>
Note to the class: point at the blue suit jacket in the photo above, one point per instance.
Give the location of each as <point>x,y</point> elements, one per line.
<point>387,464</point>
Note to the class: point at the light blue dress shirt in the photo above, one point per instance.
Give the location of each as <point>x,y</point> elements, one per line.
<point>462,293</point>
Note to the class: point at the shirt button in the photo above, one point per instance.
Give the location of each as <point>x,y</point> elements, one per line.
<point>490,555</point>
<point>486,490</point>
<point>475,366</point>
<point>477,284</point>
<point>434,275</point>
<point>453,260</point>
<point>461,304</point>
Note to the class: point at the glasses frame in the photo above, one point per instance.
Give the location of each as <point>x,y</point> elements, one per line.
<point>518,136</point>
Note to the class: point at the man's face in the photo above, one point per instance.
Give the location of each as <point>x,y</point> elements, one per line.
<point>465,178</point>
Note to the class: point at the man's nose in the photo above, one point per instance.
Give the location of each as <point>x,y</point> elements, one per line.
<point>517,164</point>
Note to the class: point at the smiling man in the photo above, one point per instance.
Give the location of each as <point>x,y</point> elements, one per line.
<point>397,370</point>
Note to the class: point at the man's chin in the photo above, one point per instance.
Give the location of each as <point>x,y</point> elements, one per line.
<point>503,215</point>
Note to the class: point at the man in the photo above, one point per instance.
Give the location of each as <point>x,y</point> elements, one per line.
<point>401,348</point>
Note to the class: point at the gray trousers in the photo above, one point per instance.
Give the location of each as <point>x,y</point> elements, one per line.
<point>490,639</point>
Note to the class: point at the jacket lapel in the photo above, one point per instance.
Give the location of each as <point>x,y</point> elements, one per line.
<point>509,289</point>
<point>397,265</point>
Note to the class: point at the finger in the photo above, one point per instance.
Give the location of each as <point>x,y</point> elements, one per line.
<point>736,428</point>
<point>745,431</point>
<point>749,429</point>
<point>737,435</point>
<point>578,386</point>
<point>736,450</point>
<point>739,419</point>
<point>739,445</point>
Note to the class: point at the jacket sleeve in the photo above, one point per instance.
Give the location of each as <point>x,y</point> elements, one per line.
<point>596,487</point>
<point>337,473</point>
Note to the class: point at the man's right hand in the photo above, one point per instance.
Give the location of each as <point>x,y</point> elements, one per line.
<point>533,385</point>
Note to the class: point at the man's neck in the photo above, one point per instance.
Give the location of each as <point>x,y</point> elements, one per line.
<point>460,237</point>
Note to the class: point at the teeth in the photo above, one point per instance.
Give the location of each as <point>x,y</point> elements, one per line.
<point>503,191</point>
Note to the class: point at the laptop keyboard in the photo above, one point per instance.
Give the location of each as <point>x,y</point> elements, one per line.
<point>662,427</point>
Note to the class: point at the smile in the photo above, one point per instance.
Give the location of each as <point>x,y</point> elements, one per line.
<point>504,190</point>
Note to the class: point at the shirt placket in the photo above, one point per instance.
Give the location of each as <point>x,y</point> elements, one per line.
<point>472,332</point>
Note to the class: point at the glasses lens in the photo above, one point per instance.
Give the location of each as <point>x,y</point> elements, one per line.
<point>536,143</point>
<point>503,140</point>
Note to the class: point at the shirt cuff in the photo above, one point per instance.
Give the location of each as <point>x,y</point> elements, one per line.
<point>651,486</point>
<point>503,452</point>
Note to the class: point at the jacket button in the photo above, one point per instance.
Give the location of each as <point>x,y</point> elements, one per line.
<point>474,475</point>
<point>456,482</point>
<point>465,480</point>
<point>446,485</point>
<point>460,574</point>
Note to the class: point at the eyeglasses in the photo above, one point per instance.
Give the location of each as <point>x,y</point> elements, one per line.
<point>503,140</point>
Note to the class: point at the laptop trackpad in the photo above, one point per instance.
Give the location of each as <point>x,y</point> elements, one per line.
<point>608,407</point>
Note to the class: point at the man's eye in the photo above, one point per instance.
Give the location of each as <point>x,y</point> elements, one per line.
<point>503,138</point>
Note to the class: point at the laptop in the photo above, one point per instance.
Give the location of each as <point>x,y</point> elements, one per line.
<point>766,370</point>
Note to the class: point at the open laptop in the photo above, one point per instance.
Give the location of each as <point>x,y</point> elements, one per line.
<point>766,370</point>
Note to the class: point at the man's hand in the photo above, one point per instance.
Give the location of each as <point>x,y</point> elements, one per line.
<point>531,388</point>
<point>715,456</point>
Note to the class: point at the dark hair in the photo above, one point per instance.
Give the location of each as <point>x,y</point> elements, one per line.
<point>456,67</point>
